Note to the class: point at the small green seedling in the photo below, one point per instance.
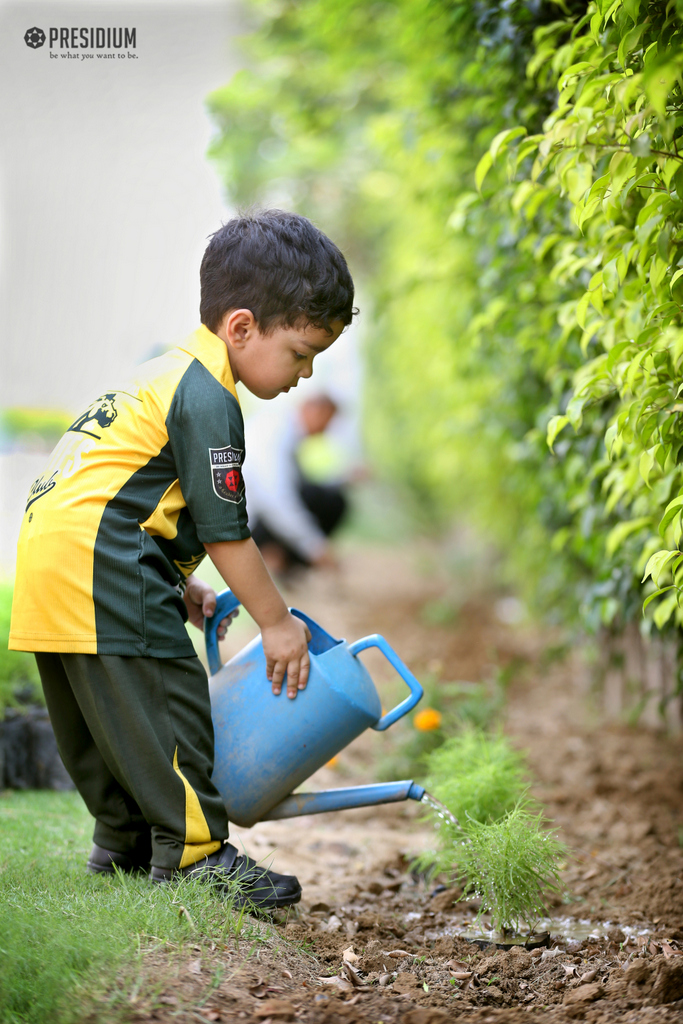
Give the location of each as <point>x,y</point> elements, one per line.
<point>477,776</point>
<point>496,847</point>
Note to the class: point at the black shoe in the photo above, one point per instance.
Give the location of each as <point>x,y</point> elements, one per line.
<point>104,862</point>
<point>256,888</point>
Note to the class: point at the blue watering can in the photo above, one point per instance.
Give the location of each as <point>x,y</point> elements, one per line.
<point>266,746</point>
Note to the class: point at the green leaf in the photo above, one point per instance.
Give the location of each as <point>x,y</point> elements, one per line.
<point>629,42</point>
<point>632,7</point>
<point>656,594</point>
<point>483,168</point>
<point>610,276</point>
<point>670,512</point>
<point>645,464</point>
<point>634,369</point>
<point>658,82</point>
<point>658,270</point>
<point>616,352</point>
<point>665,610</point>
<point>555,425</point>
<point>573,71</point>
<point>657,563</point>
<point>610,437</point>
<point>641,145</point>
<point>503,140</point>
<point>575,410</point>
<point>582,309</point>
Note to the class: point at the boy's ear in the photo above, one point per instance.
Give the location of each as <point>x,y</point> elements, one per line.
<point>237,327</point>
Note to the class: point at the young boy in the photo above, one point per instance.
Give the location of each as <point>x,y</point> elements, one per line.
<point>139,489</point>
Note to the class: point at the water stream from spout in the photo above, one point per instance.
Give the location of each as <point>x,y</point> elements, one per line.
<point>440,810</point>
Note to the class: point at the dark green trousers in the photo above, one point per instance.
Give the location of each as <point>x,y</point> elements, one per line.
<point>136,737</point>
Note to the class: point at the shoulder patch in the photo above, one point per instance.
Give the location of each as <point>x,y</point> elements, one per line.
<point>226,473</point>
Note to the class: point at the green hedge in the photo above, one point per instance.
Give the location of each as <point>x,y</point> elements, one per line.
<point>503,177</point>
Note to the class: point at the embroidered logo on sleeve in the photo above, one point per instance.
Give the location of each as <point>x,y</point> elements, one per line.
<point>226,473</point>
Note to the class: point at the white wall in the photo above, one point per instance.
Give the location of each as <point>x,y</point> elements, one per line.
<point>107,195</point>
<point>107,200</point>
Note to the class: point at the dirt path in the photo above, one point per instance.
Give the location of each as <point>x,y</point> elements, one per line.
<point>615,793</point>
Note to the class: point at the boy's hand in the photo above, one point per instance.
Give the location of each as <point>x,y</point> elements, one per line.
<point>286,649</point>
<point>285,638</point>
<point>200,601</point>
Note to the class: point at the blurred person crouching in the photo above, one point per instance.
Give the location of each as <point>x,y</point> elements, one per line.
<point>290,516</point>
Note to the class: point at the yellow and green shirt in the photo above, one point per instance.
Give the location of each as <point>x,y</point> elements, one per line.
<point>132,492</point>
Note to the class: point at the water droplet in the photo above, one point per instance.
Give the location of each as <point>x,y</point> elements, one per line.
<point>440,809</point>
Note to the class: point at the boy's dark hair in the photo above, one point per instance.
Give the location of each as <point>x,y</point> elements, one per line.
<point>278,265</point>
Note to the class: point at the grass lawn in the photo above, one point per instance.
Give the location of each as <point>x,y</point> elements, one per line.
<point>75,947</point>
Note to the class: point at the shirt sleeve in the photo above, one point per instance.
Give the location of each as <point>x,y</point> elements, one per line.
<point>206,433</point>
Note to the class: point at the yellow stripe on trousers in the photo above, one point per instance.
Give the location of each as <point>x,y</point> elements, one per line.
<point>198,841</point>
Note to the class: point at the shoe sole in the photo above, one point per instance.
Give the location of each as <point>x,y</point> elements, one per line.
<point>238,902</point>
<point>261,908</point>
<point>268,907</point>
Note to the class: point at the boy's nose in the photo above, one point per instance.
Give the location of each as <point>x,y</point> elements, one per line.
<point>306,372</point>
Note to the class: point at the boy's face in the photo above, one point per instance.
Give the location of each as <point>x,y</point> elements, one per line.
<point>270,364</point>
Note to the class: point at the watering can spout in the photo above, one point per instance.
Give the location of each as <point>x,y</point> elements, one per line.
<point>343,799</point>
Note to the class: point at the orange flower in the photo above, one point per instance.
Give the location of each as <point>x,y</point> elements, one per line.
<point>333,762</point>
<point>427,719</point>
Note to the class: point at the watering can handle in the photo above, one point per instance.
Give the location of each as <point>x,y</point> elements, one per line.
<point>406,675</point>
<point>226,602</point>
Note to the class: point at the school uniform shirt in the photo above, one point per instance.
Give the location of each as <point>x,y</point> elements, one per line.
<point>138,484</point>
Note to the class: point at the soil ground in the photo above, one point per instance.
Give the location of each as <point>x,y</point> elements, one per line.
<point>371,942</point>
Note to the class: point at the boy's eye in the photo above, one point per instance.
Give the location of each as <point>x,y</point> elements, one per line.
<point>299,355</point>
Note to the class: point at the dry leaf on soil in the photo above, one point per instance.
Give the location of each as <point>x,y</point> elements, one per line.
<point>348,956</point>
<point>341,983</point>
<point>352,975</point>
